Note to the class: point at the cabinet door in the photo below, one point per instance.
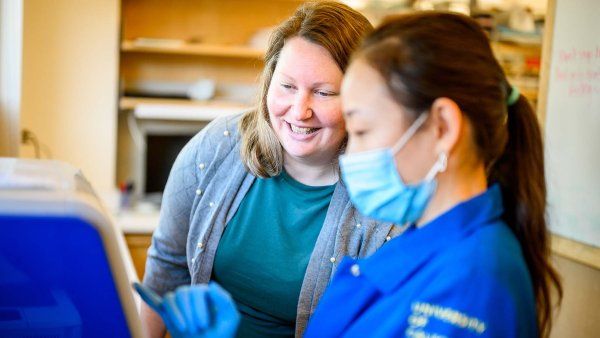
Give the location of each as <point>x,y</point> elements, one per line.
<point>138,247</point>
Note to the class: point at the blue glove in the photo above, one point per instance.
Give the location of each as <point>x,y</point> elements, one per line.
<point>194,311</point>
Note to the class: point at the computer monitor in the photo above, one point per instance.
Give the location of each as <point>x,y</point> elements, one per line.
<point>64,268</point>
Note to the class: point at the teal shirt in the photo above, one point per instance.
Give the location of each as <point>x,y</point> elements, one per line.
<point>263,254</point>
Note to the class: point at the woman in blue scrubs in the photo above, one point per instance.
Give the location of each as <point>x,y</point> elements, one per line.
<point>442,145</point>
<point>440,142</point>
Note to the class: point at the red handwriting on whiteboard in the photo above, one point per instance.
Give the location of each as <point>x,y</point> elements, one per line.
<point>579,69</point>
<point>578,55</point>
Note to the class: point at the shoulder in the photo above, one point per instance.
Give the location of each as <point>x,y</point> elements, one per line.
<point>222,130</point>
<point>215,141</point>
<point>484,280</point>
<point>488,257</point>
<point>495,252</point>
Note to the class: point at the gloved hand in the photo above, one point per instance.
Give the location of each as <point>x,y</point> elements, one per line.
<point>195,311</point>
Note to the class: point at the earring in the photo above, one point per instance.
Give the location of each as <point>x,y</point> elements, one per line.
<point>442,161</point>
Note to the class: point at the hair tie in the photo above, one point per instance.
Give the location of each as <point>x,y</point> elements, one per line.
<point>514,96</point>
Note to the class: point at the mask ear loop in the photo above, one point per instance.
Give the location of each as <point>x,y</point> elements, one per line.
<point>438,167</point>
<point>409,133</point>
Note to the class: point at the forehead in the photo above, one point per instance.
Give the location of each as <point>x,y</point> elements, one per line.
<point>302,59</point>
<point>365,95</point>
<point>363,85</point>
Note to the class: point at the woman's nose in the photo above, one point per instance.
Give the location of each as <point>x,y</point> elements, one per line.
<point>301,108</point>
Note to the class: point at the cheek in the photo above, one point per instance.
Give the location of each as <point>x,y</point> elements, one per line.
<point>359,144</point>
<point>277,102</point>
<point>330,114</point>
<point>353,145</point>
<point>372,140</point>
<point>339,131</point>
<point>415,160</point>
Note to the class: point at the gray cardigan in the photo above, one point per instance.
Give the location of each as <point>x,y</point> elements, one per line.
<point>205,187</point>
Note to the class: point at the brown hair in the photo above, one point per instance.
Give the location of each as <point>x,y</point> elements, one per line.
<point>332,25</point>
<point>428,55</point>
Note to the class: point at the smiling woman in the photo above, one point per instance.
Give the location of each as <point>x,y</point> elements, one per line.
<point>304,107</point>
<point>253,202</point>
<point>298,124</point>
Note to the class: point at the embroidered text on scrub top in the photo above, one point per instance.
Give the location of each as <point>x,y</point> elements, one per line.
<point>421,312</point>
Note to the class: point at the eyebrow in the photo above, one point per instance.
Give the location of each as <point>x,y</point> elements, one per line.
<point>316,84</point>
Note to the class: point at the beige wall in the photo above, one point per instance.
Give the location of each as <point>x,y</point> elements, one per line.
<point>578,316</point>
<point>69,82</point>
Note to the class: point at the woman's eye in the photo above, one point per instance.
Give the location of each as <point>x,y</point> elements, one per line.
<point>324,93</point>
<point>287,86</point>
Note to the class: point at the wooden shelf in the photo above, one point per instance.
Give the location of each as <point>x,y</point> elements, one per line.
<point>180,109</point>
<point>525,39</point>
<point>130,46</point>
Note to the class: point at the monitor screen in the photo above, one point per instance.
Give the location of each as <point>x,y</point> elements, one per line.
<point>161,152</point>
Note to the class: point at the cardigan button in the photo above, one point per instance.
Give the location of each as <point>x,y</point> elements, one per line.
<point>355,270</point>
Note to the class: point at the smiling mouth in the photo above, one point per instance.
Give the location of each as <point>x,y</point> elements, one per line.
<point>301,130</point>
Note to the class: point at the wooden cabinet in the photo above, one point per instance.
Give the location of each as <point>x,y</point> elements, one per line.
<point>138,245</point>
<point>181,41</point>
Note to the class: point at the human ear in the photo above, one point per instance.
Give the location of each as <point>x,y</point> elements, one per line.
<point>447,121</point>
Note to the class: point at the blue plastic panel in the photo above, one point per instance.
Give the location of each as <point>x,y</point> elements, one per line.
<point>55,280</point>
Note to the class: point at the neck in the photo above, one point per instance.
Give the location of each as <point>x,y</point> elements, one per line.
<point>452,189</point>
<point>310,172</point>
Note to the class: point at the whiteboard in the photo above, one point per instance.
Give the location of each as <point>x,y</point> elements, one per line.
<point>572,125</point>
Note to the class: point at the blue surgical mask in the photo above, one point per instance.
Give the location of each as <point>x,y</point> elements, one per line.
<point>378,191</point>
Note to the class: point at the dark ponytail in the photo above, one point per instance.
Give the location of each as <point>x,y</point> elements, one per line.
<point>428,55</point>
<point>520,172</point>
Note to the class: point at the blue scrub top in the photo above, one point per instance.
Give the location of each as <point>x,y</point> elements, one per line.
<point>461,275</point>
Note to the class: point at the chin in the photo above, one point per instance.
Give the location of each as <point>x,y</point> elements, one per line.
<point>300,152</point>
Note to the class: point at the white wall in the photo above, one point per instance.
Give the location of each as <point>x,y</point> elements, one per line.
<point>11,19</point>
<point>69,82</point>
